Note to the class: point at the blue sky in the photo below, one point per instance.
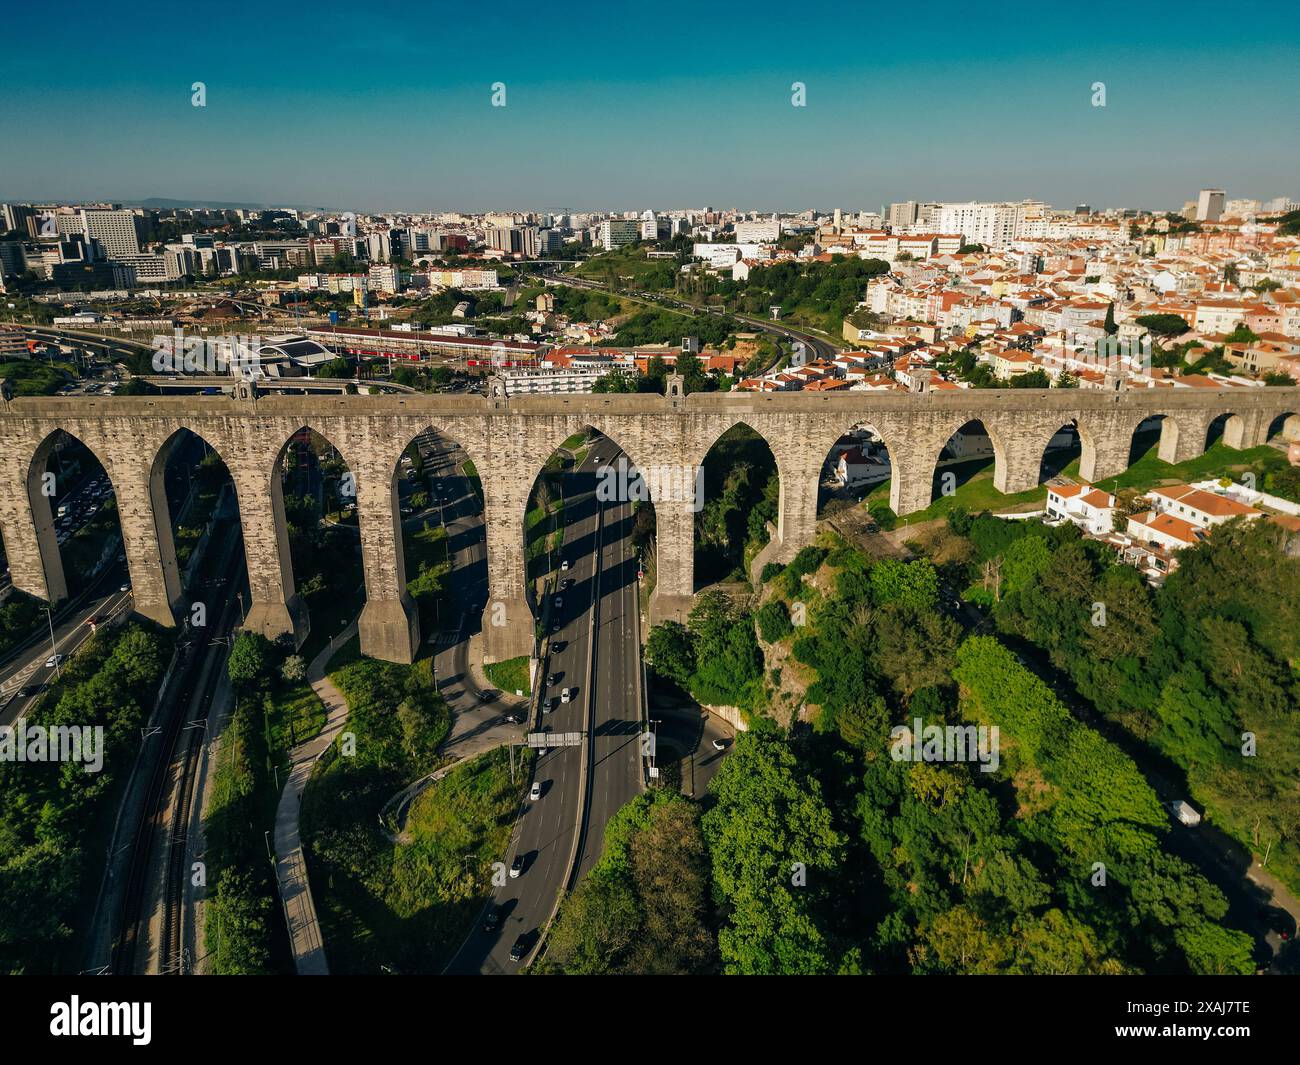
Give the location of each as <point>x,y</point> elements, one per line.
<point>382,105</point>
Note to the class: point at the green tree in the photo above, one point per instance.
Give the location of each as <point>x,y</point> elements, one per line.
<point>770,826</point>
<point>670,652</point>
<point>250,659</point>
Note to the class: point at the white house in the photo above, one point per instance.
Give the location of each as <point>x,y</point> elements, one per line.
<point>1090,508</point>
<point>1199,507</point>
<point>856,467</point>
<point>1164,530</point>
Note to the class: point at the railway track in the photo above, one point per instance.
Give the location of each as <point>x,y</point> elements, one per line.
<point>163,825</point>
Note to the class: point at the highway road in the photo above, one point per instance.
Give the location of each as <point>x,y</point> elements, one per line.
<point>24,677</point>
<point>689,734</point>
<point>546,832</point>
<point>617,774</point>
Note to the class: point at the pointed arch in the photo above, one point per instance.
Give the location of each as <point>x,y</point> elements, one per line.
<point>1070,443</point>
<point>45,492</point>
<point>722,540</point>
<point>315,512</point>
<point>165,522</point>
<point>965,453</point>
<point>438,519</point>
<point>857,462</point>
<point>1287,424</point>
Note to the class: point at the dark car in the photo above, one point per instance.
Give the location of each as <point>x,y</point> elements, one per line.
<point>517,866</point>
<point>521,946</point>
<point>493,920</point>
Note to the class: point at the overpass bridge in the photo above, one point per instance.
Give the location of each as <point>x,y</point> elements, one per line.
<point>509,439</point>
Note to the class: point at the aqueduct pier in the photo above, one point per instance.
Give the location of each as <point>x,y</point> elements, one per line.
<point>510,439</point>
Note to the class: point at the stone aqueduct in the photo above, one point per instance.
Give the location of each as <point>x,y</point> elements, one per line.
<point>509,440</point>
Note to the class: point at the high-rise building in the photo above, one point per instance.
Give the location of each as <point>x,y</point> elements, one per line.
<point>514,240</point>
<point>113,231</point>
<point>903,214</point>
<point>1209,205</point>
<point>384,277</point>
<point>991,224</point>
<point>16,215</point>
<point>549,241</point>
<point>619,232</point>
<point>379,246</point>
<point>12,260</point>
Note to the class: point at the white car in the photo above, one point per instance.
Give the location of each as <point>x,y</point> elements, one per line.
<point>565,564</point>
<point>566,695</point>
<point>535,792</point>
<point>559,601</point>
<point>719,745</point>
<point>53,661</point>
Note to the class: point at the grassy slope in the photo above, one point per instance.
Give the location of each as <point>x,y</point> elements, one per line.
<point>976,492</point>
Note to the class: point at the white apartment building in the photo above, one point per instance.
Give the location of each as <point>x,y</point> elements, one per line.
<point>565,380</point>
<point>758,232</point>
<point>990,224</point>
<point>113,230</point>
<point>463,279</point>
<point>1219,316</point>
<point>994,225</point>
<point>147,268</point>
<point>385,278</point>
<point>721,256</point>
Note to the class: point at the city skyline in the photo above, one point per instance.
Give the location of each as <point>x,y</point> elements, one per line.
<point>603,112</point>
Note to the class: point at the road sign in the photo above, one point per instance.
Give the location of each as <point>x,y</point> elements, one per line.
<point>554,739</point>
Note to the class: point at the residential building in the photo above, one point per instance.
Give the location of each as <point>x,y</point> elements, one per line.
<point>1199,507</point>
<point>1089,508</point>
<point>1209,205</point>
<point>113,231</point>
<point>619,232</point>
